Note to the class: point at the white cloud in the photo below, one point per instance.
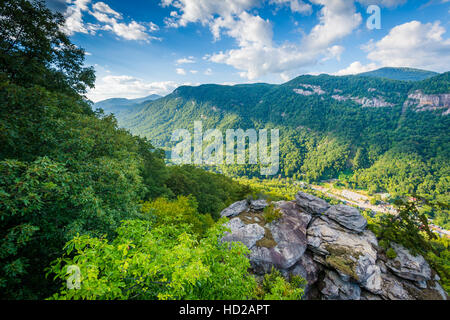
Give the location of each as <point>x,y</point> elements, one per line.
<point>128,87</point>
<point>295,5</point>
<point>181,71</point>
<point>193,71</point>
<point>355,68</point>
<point>246,29</point>
<point>104,8</point>
<point>109,20</point>
<point>204,11</point>
<point>74,17</point>
<point>334,52</point>
<point>186,60</point>
<point>413,44</point>
<point>256,54</point>
<point>255,61</point>
<point>338,19</point>
<point>131,31</point>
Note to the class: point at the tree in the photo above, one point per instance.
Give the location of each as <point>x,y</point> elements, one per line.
<point>148,263</point>
<point>35,51</point>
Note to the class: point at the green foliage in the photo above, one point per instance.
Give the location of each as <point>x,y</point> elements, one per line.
<point>213,192</point>
<point>146,262</point>
<point>439,259</point>
<point>410,229</point>
<point>407,227</point>
<point>182,211</point>
<point>35,51</point>
<point>271,214</point>
<point>275,287</point>
<point>391,254</point>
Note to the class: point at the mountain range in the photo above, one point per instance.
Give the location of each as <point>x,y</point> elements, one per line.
<point>373,132</point>
<point>117,105</point>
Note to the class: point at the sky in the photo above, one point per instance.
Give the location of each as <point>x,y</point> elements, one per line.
<point>144,47</point>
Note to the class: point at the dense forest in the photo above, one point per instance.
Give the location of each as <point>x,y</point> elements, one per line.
<point>365,130</point>
<point>68,173</point>
<point>76,189</point>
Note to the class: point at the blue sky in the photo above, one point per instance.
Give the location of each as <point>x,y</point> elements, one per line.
<point>142,47</point>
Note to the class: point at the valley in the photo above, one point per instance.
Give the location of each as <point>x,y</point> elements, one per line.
<point>370,132</point>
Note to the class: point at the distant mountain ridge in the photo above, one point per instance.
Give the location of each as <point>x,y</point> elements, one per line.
<point>115,105</point>
<point>120,105</point>
<point>402,74</point>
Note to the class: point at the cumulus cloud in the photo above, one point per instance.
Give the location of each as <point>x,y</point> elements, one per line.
<point>187,60</point>
<point>204,11</point>
<point>295,5</point>
<point>74,17</point>
<point>355,68</point>
<point>413,44</point>
<point>108,19</point>
<point>256,54</point>
<point>181,71</point>
<point>338,19</point>
<point>124,86</point>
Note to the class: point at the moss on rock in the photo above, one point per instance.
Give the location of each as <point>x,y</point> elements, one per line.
<point>343,259</point>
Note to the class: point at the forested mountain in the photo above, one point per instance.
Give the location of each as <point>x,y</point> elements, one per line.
<point>117,105</point>
<point>404,74</point>
<point>383,135</point>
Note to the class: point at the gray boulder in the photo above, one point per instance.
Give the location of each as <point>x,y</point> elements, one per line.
<point>248,234</point>
<point>334,288</point>
<point>289,235</point>
<point>347,217</point>
<point>311,204</point>
<point>258,205</point>
<point>308,269</point>
<point>407,266</point>
<point>351,255</point>
<point>392,288</point>
<point>235,209</point>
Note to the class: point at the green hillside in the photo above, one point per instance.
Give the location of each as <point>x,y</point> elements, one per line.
<point>403,74</point>
<point>354,127</point>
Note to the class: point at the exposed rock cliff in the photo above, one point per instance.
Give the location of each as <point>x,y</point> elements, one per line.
<point>332,249</point>
<point>425,102</point>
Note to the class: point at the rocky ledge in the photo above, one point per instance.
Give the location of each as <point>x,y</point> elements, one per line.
<point>332,249</point>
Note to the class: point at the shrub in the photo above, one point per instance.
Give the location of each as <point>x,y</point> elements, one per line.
<point>275,287</point>
<point>391,254</point>
<point>271,214</point>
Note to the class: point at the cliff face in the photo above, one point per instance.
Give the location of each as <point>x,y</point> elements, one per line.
<point>332,249</point>
<point>425,102</point>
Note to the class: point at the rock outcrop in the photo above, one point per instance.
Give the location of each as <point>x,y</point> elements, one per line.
<point>426,102</point>
<point>331,247</point>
